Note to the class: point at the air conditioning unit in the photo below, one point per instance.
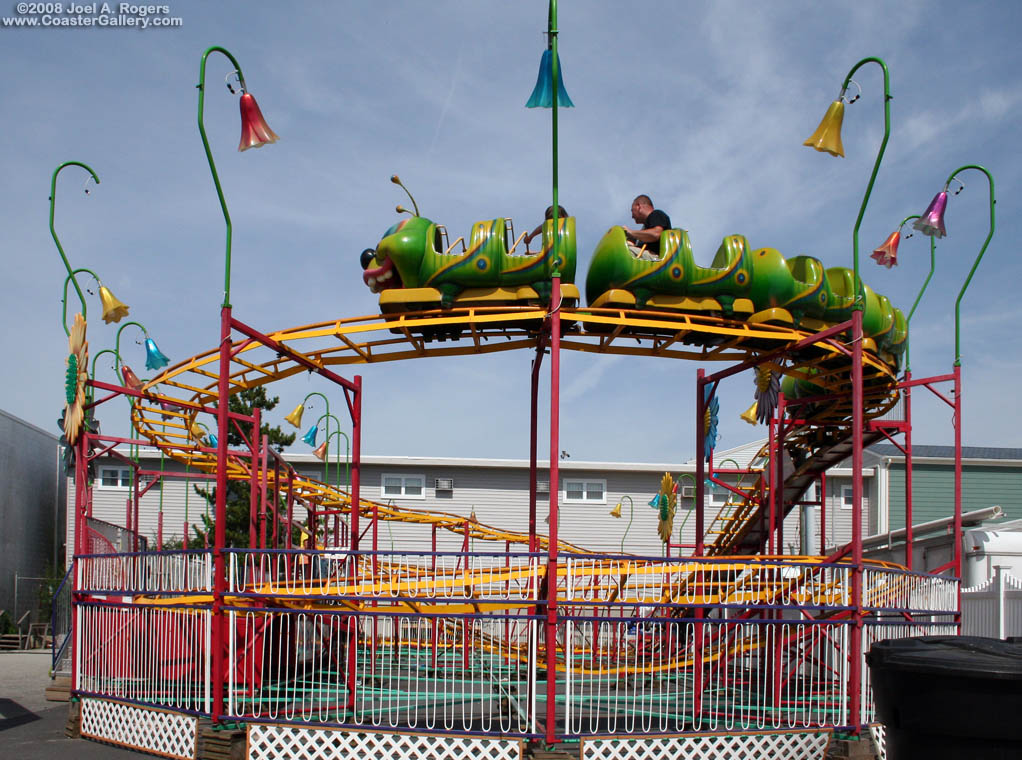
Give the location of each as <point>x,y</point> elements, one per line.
<point>542,486</point>
<point>444,484</point>
<point>688,492</point>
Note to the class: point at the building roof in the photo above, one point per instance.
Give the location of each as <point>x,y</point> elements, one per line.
<point>948,452</point>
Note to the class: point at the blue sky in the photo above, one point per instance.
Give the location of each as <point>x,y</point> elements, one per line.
<point>704,106</point>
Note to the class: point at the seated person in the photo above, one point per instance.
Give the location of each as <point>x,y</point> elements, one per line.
<point>653,221</point>
<point>548,214</point>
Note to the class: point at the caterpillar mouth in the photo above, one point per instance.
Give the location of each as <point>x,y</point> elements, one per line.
<point>382,277</point>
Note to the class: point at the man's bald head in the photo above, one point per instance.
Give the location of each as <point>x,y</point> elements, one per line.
<point>642,206</point>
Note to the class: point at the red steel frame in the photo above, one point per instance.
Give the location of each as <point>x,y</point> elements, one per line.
<point>549,340</point>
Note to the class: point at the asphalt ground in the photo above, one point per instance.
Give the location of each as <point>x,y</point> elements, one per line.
<point>32,728</point>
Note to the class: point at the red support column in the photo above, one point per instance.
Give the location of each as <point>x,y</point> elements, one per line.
<point>772,493</point>
<point>700,468</point>
<point>356,459</point>
<point>219,620</point>
<point>264,486</point>
<point>956,543</point>
<point>355,408</point>
<point>908,474</point>
<point>779,501</point>
<point>855,649</point>
<point>81,544</point>
<point>554,325</point>
<point>253,481</point>
<point>700,548</point>
<point>533,444</point>
<point>823,513</point>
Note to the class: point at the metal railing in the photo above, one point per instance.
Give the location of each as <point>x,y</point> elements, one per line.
<point>60,624</point>
<point>462,643</point>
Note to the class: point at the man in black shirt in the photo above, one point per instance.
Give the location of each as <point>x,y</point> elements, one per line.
<point>653,221</point>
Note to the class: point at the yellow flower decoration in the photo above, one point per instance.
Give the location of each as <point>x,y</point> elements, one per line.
<point>668,504</point>
<point>74,383</point>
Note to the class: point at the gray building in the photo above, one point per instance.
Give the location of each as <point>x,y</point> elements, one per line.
<point>32,511</point>
<point>496,493</point>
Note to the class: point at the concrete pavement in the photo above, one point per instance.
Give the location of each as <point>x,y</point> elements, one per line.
<point>32,728</point>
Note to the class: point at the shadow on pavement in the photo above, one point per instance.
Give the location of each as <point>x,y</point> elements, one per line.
<point>12,714</point>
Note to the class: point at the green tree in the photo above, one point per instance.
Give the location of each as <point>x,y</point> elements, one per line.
<point>238,492</point>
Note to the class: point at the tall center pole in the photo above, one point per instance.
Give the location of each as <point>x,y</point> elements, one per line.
<point>219,622</point>
<point>534,445</point>
<point>551,577</point>
<point>855,670</point>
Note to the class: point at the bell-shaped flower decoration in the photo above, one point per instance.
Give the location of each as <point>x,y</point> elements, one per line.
<point>113,310</point>
<point>295,418</point>
<point>932,221</point>
<point>543,93</point>
<point>154,358</point>
<point>827,137</point>
<point>130,378</point>
<point>616,511</point>
<point>211,441</point>
<point>749,415</point>
<point>887,254</point>
<point>255,132</point>
<point>320,452</point>
<point>310,436</point>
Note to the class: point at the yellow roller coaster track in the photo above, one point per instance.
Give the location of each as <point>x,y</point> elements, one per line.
<point>483,330</point>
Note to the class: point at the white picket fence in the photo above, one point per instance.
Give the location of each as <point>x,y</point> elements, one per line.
<point>993,608</point>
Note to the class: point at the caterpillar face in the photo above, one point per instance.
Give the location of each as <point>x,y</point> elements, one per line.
<point>398,258</point>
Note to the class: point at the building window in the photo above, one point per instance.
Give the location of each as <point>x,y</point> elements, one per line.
<point>403,486</point>
<point>716,496</point>
<point>585,491</point>
<point>846,497</point>
<point>115,477</point>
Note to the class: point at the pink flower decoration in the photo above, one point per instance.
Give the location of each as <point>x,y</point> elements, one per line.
<point>887,254</point>
<point>932,221</point>
<point>255,132</point>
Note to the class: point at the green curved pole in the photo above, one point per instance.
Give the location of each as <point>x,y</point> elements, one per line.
<point>688,512</point>
<point>209,157</point>
<point>92,375</point>
<point>555,71</point>
<point>337,476</point>
<point>71,278</point>
<point>631,516</point>
<point>117,341</point>
<point>53,233</point>
<point>347,450</point>
<point>926,282</point>
<point>328,416</point>
<point>876,166</point>
<point>990,234</point>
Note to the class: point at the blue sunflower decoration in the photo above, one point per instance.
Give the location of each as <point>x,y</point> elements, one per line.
<point>710,421</point>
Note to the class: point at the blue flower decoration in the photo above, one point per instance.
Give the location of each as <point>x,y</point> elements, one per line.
<point>710,422</point>
<point>154,358</point>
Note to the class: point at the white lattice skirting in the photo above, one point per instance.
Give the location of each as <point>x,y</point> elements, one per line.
<point>879,739</point>
<point>266,742</point>
<point>157,732</point>
<point>810,746</point>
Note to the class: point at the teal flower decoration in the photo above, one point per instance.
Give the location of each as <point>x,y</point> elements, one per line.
<point>154,358</point>
<point>710,421</point>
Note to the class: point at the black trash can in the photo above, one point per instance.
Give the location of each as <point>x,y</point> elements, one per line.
<point>949,697</point>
